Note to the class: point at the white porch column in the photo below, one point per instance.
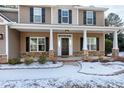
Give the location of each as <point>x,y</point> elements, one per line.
<point>51,39</point>
<point>85,40</point>
<point>115,40</point>
<point>115,50</point>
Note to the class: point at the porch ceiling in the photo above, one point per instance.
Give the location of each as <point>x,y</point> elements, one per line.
<point>61,28</point>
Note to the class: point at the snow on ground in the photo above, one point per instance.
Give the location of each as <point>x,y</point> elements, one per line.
<point>34,65</point>
<point>65,76</point>
<point>101,68</point>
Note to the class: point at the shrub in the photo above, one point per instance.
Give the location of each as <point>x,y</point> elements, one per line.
<point>108,46</point>
<point>42,59</point>
<point>28,61</point>
<point>14,61</point>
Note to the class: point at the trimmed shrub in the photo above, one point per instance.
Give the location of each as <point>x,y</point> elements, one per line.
<point>28,61</point>
<point>42,59</point>
<point>108,46</point>
<point>14,61</point>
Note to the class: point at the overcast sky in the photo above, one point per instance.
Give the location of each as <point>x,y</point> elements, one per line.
<point>118,9</point>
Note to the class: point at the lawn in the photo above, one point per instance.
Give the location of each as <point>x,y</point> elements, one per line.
<point>66,76</point>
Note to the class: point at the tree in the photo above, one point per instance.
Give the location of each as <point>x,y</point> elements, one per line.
<point>114,20</point>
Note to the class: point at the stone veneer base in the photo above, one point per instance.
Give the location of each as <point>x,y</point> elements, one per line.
<point>115,52</point>
<point>3,59</point>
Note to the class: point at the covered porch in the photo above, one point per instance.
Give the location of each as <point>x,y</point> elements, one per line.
<point>68,37</point>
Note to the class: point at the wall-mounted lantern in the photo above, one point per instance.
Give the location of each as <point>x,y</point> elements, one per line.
<point>1,36</point>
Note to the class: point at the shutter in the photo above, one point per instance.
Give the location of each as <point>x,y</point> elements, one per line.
<point>27,44</point>
<point>59,16</point>
<point>81,43</point>
<point>94,17</point>
<point>47,43</point>
<point>97,43</point>
<point>43,15</point>
<point>84,19</point>
<point>70,16</point>
<point>31,14</point>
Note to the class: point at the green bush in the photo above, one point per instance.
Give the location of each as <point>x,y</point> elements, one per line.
<point>42,59</point>
<point>14,61</point>
<point>28,61</point>
<point>108,46</point>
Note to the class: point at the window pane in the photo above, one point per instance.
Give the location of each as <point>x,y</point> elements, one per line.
<point>93,47</point>
<point>41,41</point>
<point>89,17</point>
<point>33,41</point>
<point>33,47</point>
<point>65,19</point>
<point>37,18</point>
<point>37,11</point>
<point>90,21</point>
<point>41,47</point>
<point>65,13</point>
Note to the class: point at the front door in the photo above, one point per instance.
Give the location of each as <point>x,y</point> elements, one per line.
<point>65,46</point>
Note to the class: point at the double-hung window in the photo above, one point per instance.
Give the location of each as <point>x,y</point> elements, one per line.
<point>65,16</point>
<point>37,44</point>
<point>92,43</point>
<point>37,16</point>
<point>89,17</point>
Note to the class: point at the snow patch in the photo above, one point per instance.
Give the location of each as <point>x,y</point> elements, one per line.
<point>34,65</point>
<point>101,68</point>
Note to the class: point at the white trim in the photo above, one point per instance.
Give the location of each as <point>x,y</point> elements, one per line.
<point>51,15</point>
<point>63,27</point>
<point>85,40</point>
<point>4,21</point>
<point>37,44</point>
<point>7,41</point>
<point>9,9</point>
<point>18,14</point>
<point>77,16</point>
<point>70,44</point>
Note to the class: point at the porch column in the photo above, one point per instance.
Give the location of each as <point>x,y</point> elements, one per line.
<point>51,39</point>
<point>51,50</point>
<point>85,49</point>
<point>115,50</point>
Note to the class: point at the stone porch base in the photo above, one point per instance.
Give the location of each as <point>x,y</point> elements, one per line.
<point>115,52</point>
<point>3,59</point>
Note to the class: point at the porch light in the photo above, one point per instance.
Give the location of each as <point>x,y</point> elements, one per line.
<point>1,36</point>
<point>66,30</point>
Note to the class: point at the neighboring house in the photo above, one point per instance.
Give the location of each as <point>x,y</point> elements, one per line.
<point>54,30</point>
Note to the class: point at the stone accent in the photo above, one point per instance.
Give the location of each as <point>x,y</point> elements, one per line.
<point>52,56</point>
<point>3,59</point>
<point>115,52</point>
<point>90,53</point>
<point>34,54</point>
<point>85,55</point>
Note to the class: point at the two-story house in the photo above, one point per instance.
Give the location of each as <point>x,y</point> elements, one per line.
<point>54,30</point>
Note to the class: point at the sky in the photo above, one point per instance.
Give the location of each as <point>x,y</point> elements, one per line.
<point>118,9</point>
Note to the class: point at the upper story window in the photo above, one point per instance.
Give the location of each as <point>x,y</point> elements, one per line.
<point>65,16</point>
<point>37,16</point>
<point>89,17</point>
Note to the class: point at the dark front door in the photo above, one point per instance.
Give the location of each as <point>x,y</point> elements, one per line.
<point>65,46</point>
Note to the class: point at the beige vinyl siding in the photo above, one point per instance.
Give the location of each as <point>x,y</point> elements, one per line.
<point>24,13</point>
<point>13,16</point>
<point>76,39</point>
<point>99,18</point>
<point>14,44</point>
<point>3,42</point>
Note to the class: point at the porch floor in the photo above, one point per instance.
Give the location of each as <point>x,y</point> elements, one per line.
<point>69,59</point>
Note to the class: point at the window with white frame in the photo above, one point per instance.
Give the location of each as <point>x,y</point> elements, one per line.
<point>37,44</point>
<point>89,17</point>
<point>92,43</point>
<point>37,16</point>
<point>65,16</point>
